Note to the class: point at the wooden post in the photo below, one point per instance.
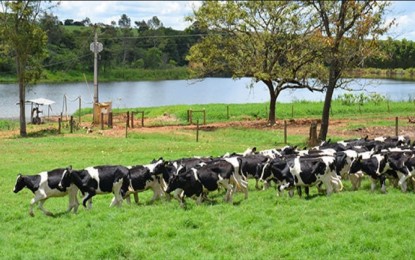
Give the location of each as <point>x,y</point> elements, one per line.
<point>292,111</point>
<point>102,121</point>
<point>110,119</point>
<point>142,119</point>
<point>190,116</point>
<point>59,125</point>
<point>71,124</point>
<point>285,131</point>
<point>227,112</point>
<point>79,109</point>
<point>197,131</point>
<point>396,126</point>
<point>204,116</point>
<point>132,119</point>
<point>312,141</point>
<point>126,128</point>
<point>128,118</point>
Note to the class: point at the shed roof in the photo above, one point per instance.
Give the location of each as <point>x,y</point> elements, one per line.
<point>41,101</point>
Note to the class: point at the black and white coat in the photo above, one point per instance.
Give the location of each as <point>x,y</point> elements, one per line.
<point>44,186</point>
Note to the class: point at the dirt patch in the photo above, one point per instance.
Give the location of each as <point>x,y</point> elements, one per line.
<point>338,128</point>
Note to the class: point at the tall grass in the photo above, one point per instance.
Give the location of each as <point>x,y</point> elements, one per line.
<point>349,224</point>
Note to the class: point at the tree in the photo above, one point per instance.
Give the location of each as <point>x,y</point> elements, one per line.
<point>26,41</point>
<point>349,33</point>
<point>270,41</point>
<point>125,24</point>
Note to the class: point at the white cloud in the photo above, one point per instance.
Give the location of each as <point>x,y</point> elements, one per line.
<point>170,13</point>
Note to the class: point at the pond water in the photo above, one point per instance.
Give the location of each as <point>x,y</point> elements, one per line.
<point>174,92</point>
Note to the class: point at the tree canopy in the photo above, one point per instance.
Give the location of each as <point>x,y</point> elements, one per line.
<point>271,41</point>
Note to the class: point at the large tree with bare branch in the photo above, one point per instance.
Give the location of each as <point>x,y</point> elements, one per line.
<point>271,41</point>
<point>349,33</point>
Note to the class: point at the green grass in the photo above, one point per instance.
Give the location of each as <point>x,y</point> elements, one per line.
<point>352,225</point>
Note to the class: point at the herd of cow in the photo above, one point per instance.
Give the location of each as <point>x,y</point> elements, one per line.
<point>325,165</point>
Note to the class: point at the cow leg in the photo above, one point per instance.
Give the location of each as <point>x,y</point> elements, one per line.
<point>229,191</point>
<point>47,213</point>
<point>257,184</point>
<point>299,191</point>
<point>266,185</point>
<point>373,184</point>
<point>136,199</point>
<point>199,199</point>
<point>354,181</point>
<point>73,200</point>
<point>88,198</point>
<point>116,189</point>
<point>382,180</point>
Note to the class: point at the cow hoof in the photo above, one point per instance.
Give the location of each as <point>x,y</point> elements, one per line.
<point>49,214</point>
<point>31,214</point>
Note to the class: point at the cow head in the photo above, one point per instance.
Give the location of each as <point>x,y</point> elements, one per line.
<point>356,165</point>
<point>66,179</point>
<point>20,183</point>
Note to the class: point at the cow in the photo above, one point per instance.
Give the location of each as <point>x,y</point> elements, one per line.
<point>44,186</point>
<point>249,165</point>
<point>98,180</point>
<point>277,170</point>
<point>312,171</point>
<point>376,167</point>
<point>142,178</point>
<point>199,181</point>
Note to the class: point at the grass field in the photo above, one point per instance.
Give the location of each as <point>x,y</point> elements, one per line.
<point>347,225</point>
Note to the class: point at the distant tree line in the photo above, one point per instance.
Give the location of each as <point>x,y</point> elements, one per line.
<point>150,45</point>
<point>142,44</point>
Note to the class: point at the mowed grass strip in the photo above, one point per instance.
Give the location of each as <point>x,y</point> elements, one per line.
<point>350,224</point>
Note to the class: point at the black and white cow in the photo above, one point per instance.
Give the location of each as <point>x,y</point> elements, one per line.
<point>277,170</point>
<point>249,166</point>
<point>98,180</point>
<point>376,167</point>
<point>45,185</point>
<point>199,181</point>
<point>144,177</point>
<point>309,172</point>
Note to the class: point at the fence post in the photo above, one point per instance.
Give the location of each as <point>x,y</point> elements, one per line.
<point>126,129</point>
<point>313,135</point>
<point>292,111</point>
<point>227,112</point>
<point>204,116</point>
<point>71,124</point>
<point>132,119</point>
<point>79,110</point>
<point>102,121</point>
<point>142,118</point>
<point>190,116</point>
<point>59,125</point>
<point>110,119</point>
<point>197,131</point>
<point>128,118</point>
<point>285,131</point>
<point>396,126</point>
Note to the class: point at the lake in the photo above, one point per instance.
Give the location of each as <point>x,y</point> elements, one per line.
<point>174,92</point>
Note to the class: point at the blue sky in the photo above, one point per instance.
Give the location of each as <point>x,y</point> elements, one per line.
<point>172,13</point>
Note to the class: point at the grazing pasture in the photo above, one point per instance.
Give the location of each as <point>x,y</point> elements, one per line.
<point>350,224</point>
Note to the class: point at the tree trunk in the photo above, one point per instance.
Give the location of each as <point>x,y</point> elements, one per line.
<point>334,76</point>
<point>272,102</point>
<point>22,97</point>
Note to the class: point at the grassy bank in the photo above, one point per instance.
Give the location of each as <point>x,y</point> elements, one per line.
<point>348,224</point>
<point>118,74</point>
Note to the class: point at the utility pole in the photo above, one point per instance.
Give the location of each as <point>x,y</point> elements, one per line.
<point>96,47</point>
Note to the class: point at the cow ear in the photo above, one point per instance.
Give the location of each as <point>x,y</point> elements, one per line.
<point>69,168</point>
<point>254,149</point>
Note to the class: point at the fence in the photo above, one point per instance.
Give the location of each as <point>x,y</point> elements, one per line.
<point>136,119</point>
